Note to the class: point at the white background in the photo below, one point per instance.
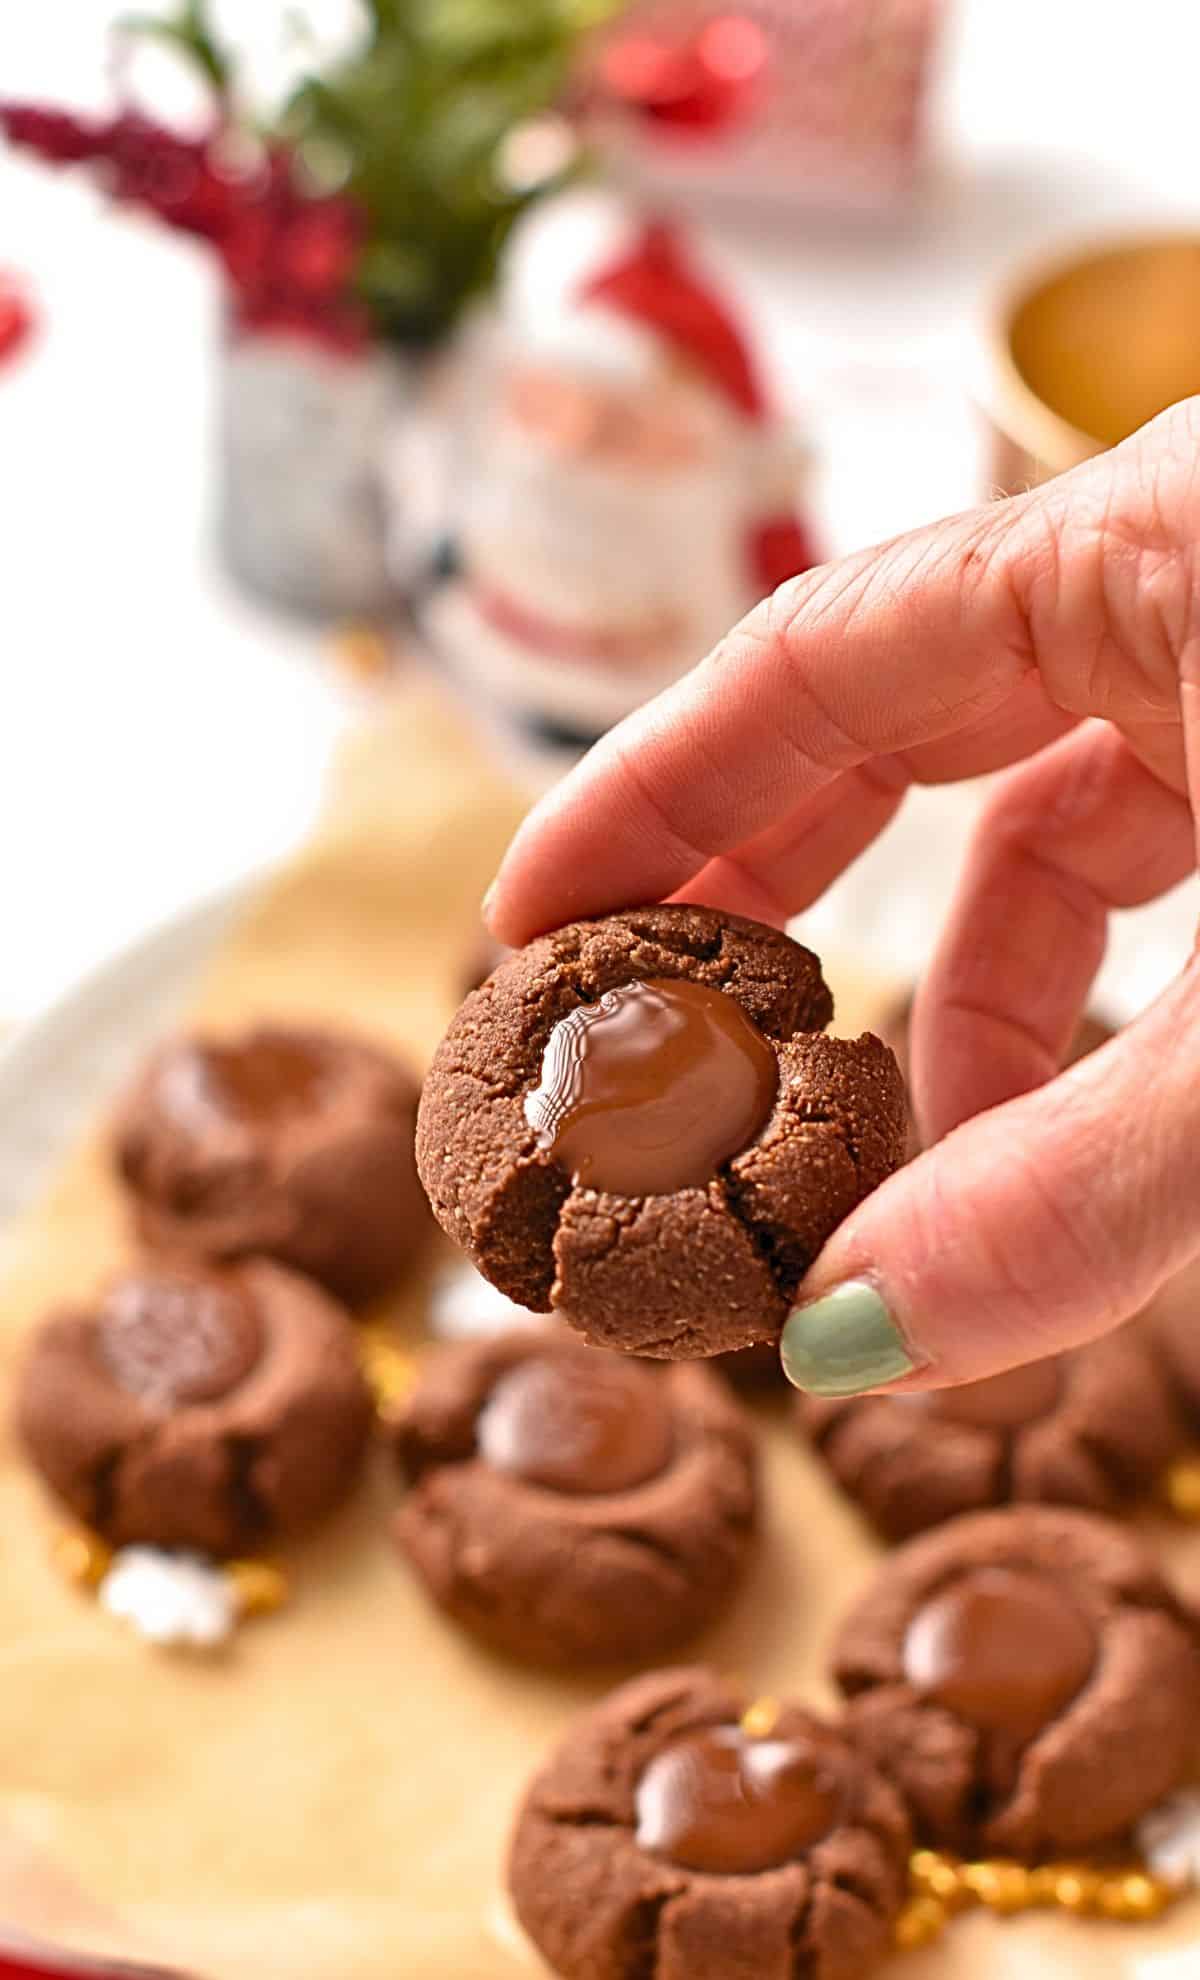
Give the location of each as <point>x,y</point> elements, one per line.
<point>160,735</point>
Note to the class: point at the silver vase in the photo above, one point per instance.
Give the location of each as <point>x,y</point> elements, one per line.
<point>303,432</point>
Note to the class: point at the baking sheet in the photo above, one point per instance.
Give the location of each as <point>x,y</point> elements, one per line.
<point>330,1800</point>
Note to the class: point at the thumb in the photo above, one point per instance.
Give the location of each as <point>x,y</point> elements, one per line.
<point>1032,1228</point>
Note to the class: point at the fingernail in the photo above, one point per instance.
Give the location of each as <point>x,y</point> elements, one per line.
<point>488,902</point>
<point>844,1343</point>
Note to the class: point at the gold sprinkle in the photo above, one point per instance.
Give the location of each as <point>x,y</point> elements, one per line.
<point>933,1874</point>
<point>363,651</point>
<point>82,1557</point>
<point>1132,1896</point>
<point>922,1921</point>
<point>1075,1886</point>
<point>1001,1886</point>
<point>1043,1883</point>
<point>259,1587</point>
<point>940,1884</point>
<point>1181,1487</point>
<point>760,1719</point>
<point>390,1373</point>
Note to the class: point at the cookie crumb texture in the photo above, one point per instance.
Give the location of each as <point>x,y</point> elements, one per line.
<point>599,1905</point>
<point>700,1270</point>
<point>967,1683</point>
<point>512,1544</point>
<point>289,1142</point>
<point>188,1408</point>
<point>1092,1429</point>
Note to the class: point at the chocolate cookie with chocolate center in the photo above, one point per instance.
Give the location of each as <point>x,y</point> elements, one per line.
<point>640,1123</point>
<point>570,1505</point>
<point>664,1837</point>
<point>293,1143</point>
<point>190,1407</point>
<point>1028,1680</point>
<point>1091,1428</point>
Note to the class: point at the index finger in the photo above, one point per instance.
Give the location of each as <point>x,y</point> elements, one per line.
<point>901,645</point>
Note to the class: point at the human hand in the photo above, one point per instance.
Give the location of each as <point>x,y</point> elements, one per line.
<point>1057,633</point>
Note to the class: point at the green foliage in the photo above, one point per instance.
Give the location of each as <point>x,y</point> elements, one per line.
<point>418,117</point>
<point>422,113</point>
<point>191,35</point>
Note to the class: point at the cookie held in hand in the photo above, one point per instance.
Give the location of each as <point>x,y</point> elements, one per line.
<point>294,1143</point>
<point>1091,1428</point>
<point>642,1123</point>
<point>569,1505</point>
<point>1026,1678</point>
<point>664,1837</point>
<point>194,1408</point>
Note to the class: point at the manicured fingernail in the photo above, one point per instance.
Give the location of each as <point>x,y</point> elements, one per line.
<point>844,1343</point>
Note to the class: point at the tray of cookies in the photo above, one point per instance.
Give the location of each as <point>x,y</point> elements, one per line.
<point>366,1614</point>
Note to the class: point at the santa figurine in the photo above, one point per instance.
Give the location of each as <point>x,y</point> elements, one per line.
<point>633,494</point>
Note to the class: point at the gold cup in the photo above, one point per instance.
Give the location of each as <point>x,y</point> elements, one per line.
<point>1086,350</point>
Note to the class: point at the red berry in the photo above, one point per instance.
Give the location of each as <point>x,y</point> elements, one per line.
<point>53,134</point>
<point>16,319</point>
<point>289,258</point>
<point>317,251</point>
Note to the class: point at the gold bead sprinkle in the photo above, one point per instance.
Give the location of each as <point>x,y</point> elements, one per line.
<point>390,1373</point>
<point>259,1587</point>
<point>1074,1886</point>
<point>922,1921</point>
<point>760,1719</point>
<point>363,651</point>
<point>82,1557</point>
<point>1133,1896</point>
<point>1181,1487</point>
<point>1043,1884</point>
<point>934,1874</point>
<point>940,1884</point>
<point>1000,1886</point>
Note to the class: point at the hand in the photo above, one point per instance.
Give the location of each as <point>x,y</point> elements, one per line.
<point>1059,633</point>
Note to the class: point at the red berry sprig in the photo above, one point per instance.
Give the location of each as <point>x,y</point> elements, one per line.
<point>289,256</point>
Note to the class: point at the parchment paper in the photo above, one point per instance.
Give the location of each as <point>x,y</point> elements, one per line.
<point>330,1800</point>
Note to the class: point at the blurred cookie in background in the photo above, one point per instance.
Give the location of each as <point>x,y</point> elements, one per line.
<point>192,1408</point>
<point>681,1829</point>
<point>1028,1680</point>
<point>1092,1428</point>
<point>568,1505</point>
<point>289,1141</point>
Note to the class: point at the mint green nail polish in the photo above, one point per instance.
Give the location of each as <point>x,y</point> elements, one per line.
<point>844,1343</point>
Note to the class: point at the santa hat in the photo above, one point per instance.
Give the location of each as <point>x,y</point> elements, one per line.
<point>619,321</point>
<point>654,289</point>
<point>657,294</point>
